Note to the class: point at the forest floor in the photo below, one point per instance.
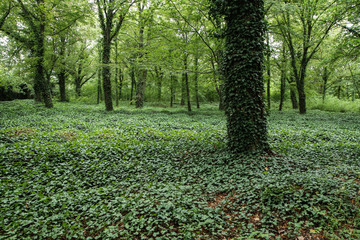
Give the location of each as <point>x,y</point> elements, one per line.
<point>78,172</point>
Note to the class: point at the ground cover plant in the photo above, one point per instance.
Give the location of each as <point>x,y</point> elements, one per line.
<point>78,172</point>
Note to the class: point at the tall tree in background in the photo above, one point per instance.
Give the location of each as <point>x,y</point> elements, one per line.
<point>111,16</point>
<point>32,14</point>
<point>243,69</point>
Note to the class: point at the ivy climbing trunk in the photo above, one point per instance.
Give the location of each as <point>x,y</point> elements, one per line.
<point>43,84</point>
<point>243,69</point>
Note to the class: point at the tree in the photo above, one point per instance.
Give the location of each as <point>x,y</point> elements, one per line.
<point>111,16</point>
<point>304,25</point>
<point>243,70</point>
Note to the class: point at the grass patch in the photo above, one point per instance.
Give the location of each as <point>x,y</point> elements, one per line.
<point>78,172</point>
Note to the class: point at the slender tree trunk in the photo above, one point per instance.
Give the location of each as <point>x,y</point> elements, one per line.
<point>244,86</point>
<point>99,82</point>
<point>171,90</point>
<point>140,88</point>
<point>283,78</point>
<point>159,78</point>
<point>325,79</point>
<point>268,71</point>
<point>116,74</point>
<point>142,74</point>
<point>183,91</point>
<point>106,74</point>
<point>196,78</point>
<point>121,81</point>
<point>133,83</point>
<point>186,77</point>
<point>62,85</point>
<point>339,92</point>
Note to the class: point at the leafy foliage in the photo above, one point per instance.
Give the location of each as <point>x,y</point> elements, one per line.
<point>78,172</point>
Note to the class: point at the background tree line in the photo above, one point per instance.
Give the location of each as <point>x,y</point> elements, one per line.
<point>171,52</point>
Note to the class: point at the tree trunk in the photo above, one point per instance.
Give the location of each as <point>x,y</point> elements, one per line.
<point>99,83</point>
<point>159,78</point>
<point>140,88</point>
<point>182,100</point>
<point>302,97</point>
<point>121,81</point>
<point>186,77</point>
<point>133,83</point>
<point>283,78</point>
<point>196,78</point>
<point>106,74</point>
<point>268,71</point>
<point>244,86</point>
<point>325,79</point>
<point>39,75</point>
<point>172,90</point>
<point>293,98</point>
<point>116,74</point>
<point>62,85</point>
<point>142,74</point>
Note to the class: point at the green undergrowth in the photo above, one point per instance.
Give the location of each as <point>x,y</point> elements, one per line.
<point>78,172</point>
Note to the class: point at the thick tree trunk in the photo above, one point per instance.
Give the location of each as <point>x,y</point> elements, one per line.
<point>39,75</point>
<point>244,86</point>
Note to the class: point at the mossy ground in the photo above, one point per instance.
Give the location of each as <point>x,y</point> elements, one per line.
<point>78,172</point>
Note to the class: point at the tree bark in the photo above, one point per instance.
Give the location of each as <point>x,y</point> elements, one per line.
<point>186,79</point>
<point>244,86</point>
<point>39,75</point>
<point>62,85</point>
<point>196,78</point>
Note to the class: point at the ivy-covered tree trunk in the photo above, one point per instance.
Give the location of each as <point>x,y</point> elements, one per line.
<point>243,69</point>
<point>40,57</point>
